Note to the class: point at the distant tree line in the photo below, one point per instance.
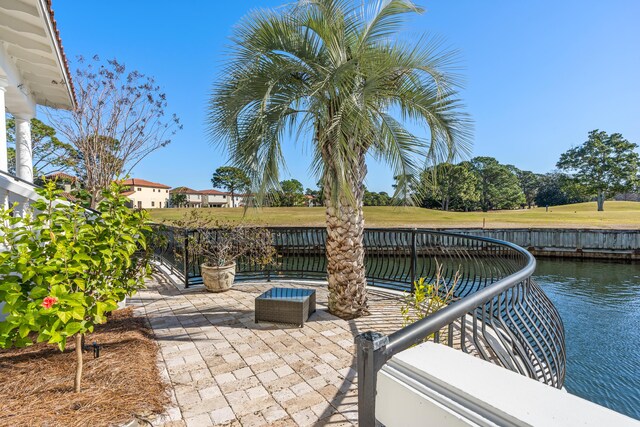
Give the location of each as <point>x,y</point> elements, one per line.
<point>604,167</point>
<point>484,184</point>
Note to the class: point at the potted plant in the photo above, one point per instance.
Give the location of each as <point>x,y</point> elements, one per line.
<point>219,248</point>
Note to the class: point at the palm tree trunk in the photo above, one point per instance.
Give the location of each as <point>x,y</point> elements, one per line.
<point>345,249</point>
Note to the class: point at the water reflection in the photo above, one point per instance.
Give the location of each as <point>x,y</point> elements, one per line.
<point>600,305</point>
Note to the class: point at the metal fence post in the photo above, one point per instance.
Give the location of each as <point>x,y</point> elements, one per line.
<point>369,360</point>
<point>185,262</point>
<point>414,259</point>
<point>171,246</point>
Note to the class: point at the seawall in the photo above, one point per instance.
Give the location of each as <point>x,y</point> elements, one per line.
<point>567,243</point>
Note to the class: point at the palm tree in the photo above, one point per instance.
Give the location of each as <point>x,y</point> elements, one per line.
<point>334,71</point>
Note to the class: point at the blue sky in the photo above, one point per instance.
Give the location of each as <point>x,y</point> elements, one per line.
<point>539,75</point>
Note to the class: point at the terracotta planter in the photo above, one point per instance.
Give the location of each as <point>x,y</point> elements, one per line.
<point>218,279</point>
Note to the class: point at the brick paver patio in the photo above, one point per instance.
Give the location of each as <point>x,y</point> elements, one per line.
<point>226,369</point>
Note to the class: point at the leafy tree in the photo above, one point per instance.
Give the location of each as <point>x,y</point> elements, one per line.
<point>292,186</point>
<point>63,270</point>
<point>559,189</point>
<point>328,67</point>
<point>529,183</point>
<point>48,152</point>
<point>605,165</point>
<point>177,199</point>
<point>498,186</point>
<point>231,179</point>
<point>384,199</point>
<point>405,187</point>
<point>120,119</point>
<point>292,193</point>
<point>318,194</point>
<point>371,198</point>
<point>449,186</point>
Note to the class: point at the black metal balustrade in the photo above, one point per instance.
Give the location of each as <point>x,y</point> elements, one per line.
<point>499,314</point>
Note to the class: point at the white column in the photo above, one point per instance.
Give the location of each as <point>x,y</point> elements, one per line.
<point>24,156</point>
<point>4,165</point>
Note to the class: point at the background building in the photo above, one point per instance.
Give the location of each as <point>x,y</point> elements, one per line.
<point>214,199</point>
<point>146,194</point>
<point>192,198</point>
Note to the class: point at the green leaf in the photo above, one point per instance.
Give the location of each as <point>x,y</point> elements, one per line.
<point>106,252</point>
<point>65,316</point>
<point>24,330</point>
<point>101,308</point>
<point>55,337</point>
<point>81,257</point>
<point>73,327</point>
<point>78,313</point>
<point>81,283</point>
<point>39,292</point>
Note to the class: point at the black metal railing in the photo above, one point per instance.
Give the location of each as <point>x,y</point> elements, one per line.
<point>500,313</point>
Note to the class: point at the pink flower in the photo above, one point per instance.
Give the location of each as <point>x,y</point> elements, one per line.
<point>49,301</point>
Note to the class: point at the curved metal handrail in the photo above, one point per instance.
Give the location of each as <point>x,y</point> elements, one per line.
<point>500,314</point>
<point>510,321</point>
<point>414,333</point>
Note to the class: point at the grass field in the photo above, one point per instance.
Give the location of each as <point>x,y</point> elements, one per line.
<point>617,215</point>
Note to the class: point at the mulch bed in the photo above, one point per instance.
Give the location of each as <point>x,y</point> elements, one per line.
<point>36,386</point>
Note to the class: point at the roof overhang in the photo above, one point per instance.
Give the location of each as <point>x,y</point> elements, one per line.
<point>32,60</point>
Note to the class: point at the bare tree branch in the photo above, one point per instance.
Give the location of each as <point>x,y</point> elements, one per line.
<point>120,119</point>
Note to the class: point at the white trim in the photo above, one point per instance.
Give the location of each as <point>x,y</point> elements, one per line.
<point>17,187</point>
<point>18,90</point>
<point>4,156</point>
<point>57,49</point>
<point>435,384</point>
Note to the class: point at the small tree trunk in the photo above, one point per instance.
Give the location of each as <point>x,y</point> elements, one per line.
<point>94,199</point>
<point>78,378</point>
<point>600,201</point>
<point>345,248</point>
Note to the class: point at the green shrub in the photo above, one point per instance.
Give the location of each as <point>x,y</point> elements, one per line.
<point>428,298</point>
<point>63,268</point>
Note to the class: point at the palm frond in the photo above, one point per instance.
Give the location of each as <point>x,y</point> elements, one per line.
<point>335,71</point>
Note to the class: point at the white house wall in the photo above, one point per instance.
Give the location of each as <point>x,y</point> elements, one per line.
<point>149,198</point>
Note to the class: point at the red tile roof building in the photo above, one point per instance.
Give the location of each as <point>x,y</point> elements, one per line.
<point>61,177</point>
<point>146,194</point>
<point>214,192</point>
<point>137,182</point>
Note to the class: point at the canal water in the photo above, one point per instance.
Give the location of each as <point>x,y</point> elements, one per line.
<point>600,306</point>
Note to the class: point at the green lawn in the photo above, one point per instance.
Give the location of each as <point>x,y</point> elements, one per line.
<point>617,215</point>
